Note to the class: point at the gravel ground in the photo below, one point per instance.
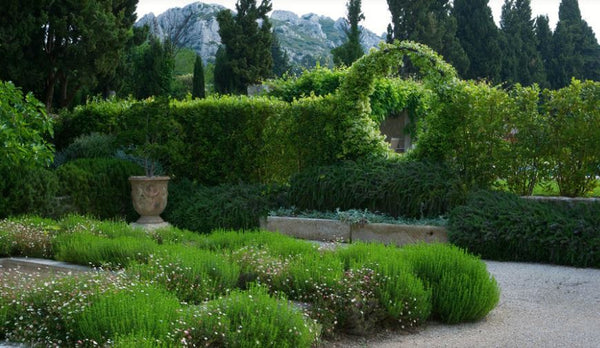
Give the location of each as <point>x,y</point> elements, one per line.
<point>540,306</point>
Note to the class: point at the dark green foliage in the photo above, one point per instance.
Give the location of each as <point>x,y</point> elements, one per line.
<point>203,209</point>
<point>351,50</point>
<point>56,62</point>
<point>198,90</point>
<point>154,69</point>
<point>576,52</point>
<point>522,62</point>
<point>99,187</point>
<point>479,37</point>
<point>27,190</point>
<point>429,22</point>
<point>462,289</point>
<point>409,189</point>
<point>281,60</point>
<point>543,38</point>
<point>246,55</point>
<point>502,226</point>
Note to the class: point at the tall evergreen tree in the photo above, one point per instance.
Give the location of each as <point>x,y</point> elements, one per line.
<point>281,60</point>
<point>576,52</point>
<point>246,39</point>
<point>56,48</point>
<point>543,37</point>
<point>351,50</point>
<point>198,80</point>
<point>480,38</point>
<point>521,60</point>
<point>430,22</point>
<point>154,69</point>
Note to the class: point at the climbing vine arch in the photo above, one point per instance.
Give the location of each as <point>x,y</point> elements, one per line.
<point>362,137</point>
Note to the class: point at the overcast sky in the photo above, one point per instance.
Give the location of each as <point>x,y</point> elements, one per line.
<point>377,15</point>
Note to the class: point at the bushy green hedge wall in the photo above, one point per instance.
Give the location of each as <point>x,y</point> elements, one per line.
<point>503,226</point>
<point>27,190</point>
<point>409,189</point>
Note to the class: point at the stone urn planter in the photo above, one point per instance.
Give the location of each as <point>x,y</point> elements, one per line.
<point>149,196</point>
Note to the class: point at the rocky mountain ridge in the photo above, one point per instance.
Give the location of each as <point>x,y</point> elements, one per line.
<point>307,39</point>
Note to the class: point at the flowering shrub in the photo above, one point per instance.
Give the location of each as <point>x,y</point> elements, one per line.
<point>32,237</point>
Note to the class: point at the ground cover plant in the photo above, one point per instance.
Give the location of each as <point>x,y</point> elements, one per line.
<point>172,287</point>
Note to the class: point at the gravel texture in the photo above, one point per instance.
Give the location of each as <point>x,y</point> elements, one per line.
<point>540,306</point>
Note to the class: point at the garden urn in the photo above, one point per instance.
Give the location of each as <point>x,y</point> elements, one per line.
<point>149,196</point>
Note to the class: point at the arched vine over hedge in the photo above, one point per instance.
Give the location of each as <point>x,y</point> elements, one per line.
<point>362,137</point>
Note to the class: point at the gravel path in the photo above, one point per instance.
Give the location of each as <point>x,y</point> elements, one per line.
<point>540,306</point>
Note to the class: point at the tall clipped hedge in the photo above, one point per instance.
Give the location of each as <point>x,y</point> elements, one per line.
<point>408,189</point>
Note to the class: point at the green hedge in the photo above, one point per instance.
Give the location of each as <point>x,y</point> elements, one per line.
<point>408,189</point>
<point>99,187</point>
<point>503,226</point>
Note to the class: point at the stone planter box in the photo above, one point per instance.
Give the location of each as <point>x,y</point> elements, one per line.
<point>333,230</point>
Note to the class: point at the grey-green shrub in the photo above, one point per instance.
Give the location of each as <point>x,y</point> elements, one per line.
<point>93,145</point>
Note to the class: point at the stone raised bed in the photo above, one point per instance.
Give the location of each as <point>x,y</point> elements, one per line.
<point>334,230</point>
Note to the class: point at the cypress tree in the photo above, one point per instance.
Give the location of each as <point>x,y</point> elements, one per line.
<point>576,53</point>
<point>281,61</point>
<point>479,37</point>
<point>429,22</point>
<point>522,62</point>
<point>246,41</point>
<point>351,50</point>
<point>198,80</point>
<point>543,36</point>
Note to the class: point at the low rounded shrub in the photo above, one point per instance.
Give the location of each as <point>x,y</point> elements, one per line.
<point>93,145</point>
<point>462,289</point>
<point>250,319</point>
<point>408,189</point>
<point>503,226</point>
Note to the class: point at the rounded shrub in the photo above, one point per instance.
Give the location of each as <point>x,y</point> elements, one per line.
<point>249,319</point>
<point>93,145</point>
<point>462,289</point>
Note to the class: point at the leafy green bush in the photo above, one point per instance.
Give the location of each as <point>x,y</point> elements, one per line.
<point>203,209</point>
<point>193,275</point>
<point>573,118</point>
<point>408,189</point>
<point>319,81</point>
<point>249,319</point>
<point>27,190</point>
<point>502,226</point>
<point>98,187</point>
<point>24,126</point>
<point>462,289</point>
